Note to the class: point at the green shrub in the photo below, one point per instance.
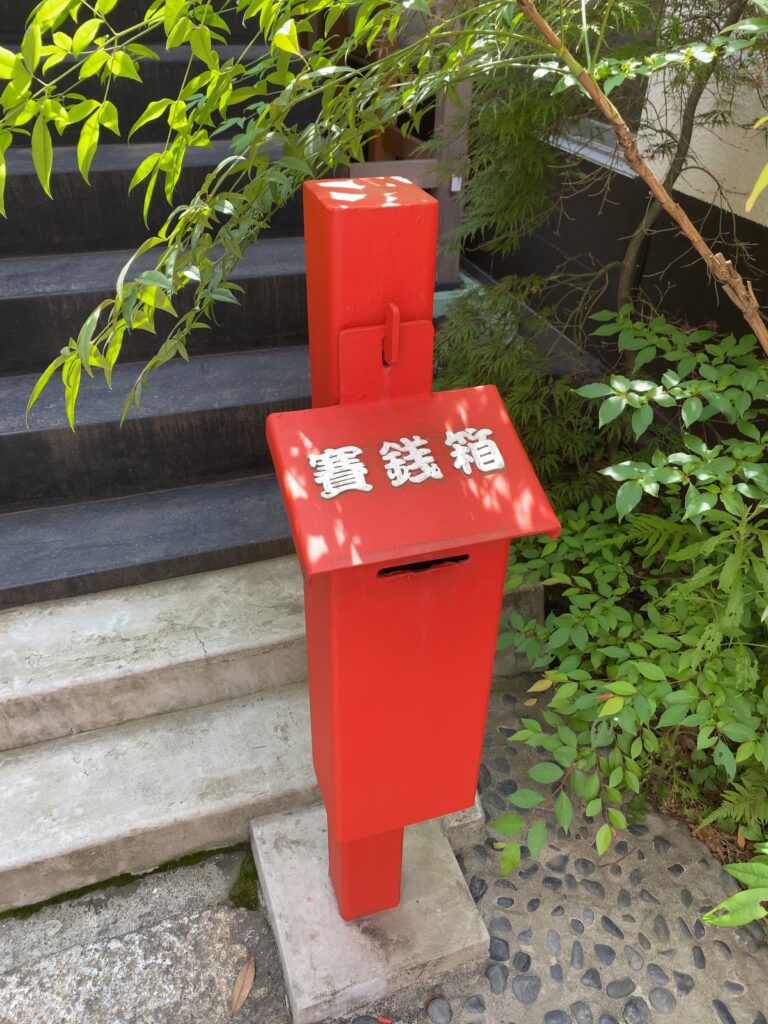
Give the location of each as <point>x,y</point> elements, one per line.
<point>488,338</point>
<point>749,905</point>
<point>654,648</point>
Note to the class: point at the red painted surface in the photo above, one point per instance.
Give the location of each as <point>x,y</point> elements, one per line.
<point>403,584</point>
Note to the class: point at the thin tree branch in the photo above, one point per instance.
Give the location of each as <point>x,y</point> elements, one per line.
<point>738,291</point>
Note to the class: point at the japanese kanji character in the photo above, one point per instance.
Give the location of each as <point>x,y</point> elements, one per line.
<point>338,470</point>
<point>409,460</point>
<point>471,447</point>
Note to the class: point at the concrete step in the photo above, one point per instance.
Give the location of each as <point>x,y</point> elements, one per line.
<point>198,422</point>
<point>102,215</point>
<point>87,808</point>
<point>44,301</point>
<point>92,662</point>
<point>67,550</point>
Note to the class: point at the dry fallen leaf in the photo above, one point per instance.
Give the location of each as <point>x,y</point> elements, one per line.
<point>243,984</point>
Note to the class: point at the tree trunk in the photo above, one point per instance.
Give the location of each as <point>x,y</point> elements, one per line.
<point>738,291</point>
<point>639,238</point>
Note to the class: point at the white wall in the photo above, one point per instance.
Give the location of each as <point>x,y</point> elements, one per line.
<point>734,154</point>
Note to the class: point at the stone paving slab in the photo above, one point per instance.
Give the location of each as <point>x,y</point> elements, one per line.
<point>170,947</point>
<point>332,966</point>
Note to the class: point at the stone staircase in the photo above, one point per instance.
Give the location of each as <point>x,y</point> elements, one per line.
<point>152,667</point>
<point>142,723</point>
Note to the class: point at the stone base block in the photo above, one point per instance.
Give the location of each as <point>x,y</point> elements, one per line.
<point>334,967</point>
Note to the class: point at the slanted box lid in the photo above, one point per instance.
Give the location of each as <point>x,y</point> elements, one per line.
<point>401,479</point>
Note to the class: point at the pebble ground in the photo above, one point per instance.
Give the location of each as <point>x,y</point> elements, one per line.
<point>574,939</point>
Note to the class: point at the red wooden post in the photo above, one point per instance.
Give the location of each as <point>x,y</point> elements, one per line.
<point>401,504</point>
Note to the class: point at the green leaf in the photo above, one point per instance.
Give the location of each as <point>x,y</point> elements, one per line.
<point>673,716</point>
<point>108,117</point>
<point>87,144</point>
<point>153,110</point>
<point>617,819</point>
<point>739,909</point>
<point>42,153</point>
<point>546,772</point>
<point>7,63</point>
<point>145,168</point>
<point>692,408</point>
<point>603,839</point>
<point>30,47</point>
<point>595,391</point>
<point>510,858</point>
<point>536,838</point>
<point>3,177</point>
<point>738,732</point>
<point>753,874</point>
<point>85,35</point>
<point>642,419</point>
<point>564,810</point>
<point>43,379</point>
<point>627,497</point>
<point>650,671</point>
<point>593,807</point>
<point>610,409</point>
<point>760,185</point>
<point>525,798</point>
<point>71,375</point>
<point>508,824</point>
<point>286,38</point>
<point>611,707</point>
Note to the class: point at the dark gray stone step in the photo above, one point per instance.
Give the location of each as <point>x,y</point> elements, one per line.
<point>45,299</point>
<point>198,422</point>
<point>99,545</point>
<point>102,215</point>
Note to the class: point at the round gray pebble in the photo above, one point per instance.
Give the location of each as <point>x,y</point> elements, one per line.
<point>591,979</point>
<point>595,889</point>
<point>635,958</point>
<point>521,962</point>
<point>478,887</point>
<point>557,1017</point>
<point>686,898</point>
<point>552,883</point>
<point>620,987</point>
<point>660,928</point>
<point>498,949</point>
<point>576,926</point>
<point>699,960</point>
<point>606,1018</point>
<point>662,1000</point>
<point>644,941</point>
<point>589,916</point>
<point>684,983</point>
<point>611,927</point>
<point>657,975</point>
<point>475,1004</point>
<point>723,1012</point>
<point>661,845</point>
<point>584,866</point>
<point>505,901</point>
<point>676,870</point>
<point>556,972</point>
<point>497,975</point>
<point>581,1013</point>
<point>553,940</point>
<point>526,987</point>
<point>533,905</point>
<point>605,954</point>
<point>577,955</point>
<point>500,924</point>
<point>734,987</point>
<point>635,1011</point>
<point>439,1011</point>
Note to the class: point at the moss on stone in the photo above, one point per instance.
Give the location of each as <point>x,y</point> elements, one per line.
<point>122,880</point>
<point>245,891</point>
